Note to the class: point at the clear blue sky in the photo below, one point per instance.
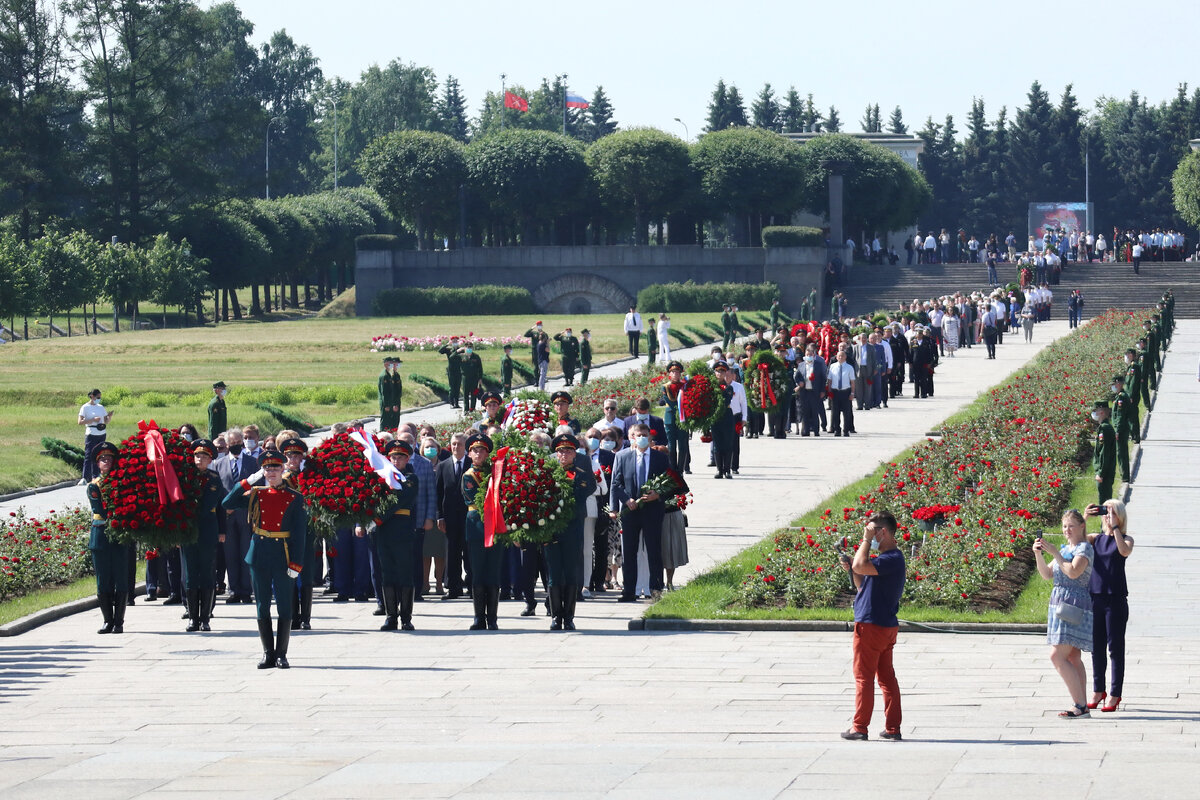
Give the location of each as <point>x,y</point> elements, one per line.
<point>660,60</point>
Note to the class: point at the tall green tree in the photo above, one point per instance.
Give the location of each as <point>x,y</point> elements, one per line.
<point>1185,186</point>
<point>419,174</point>
<point>718,108</point>
<point>791,113</point>
<point>174,276</point>
<point>642,175</point>
<point>288,81</point>
<point>452,111</point>
<point>64,263</point>
<point>871,122</point>
<point>1032,137</point>
<point>1066,146</point>
<point>896,122</point>
<point>121,270</point>
<point>765,110</point>
<point>600,121</point>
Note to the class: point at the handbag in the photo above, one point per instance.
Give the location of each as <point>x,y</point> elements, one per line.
<point>1069,614</point>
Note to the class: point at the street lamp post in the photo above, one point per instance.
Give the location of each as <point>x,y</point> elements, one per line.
<point>687,136</point>
<point>272,121</point>
<point>333,100</point>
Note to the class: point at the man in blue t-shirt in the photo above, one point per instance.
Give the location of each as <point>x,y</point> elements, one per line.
<point>880,582</point>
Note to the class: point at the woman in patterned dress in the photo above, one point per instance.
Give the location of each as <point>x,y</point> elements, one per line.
<point>1069,620</point>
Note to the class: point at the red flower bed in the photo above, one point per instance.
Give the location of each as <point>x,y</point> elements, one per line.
<point>132,494</point>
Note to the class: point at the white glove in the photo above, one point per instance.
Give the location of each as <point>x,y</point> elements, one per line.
<point>256,477</point>
<point>293,573</point>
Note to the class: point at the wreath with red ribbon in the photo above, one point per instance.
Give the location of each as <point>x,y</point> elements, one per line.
<point>767,382</point>
<point>700,400</point>
<point>152,491</point>
<point>340,486</point>
<point>528,497</point>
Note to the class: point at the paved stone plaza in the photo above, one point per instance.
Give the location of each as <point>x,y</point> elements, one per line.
<point>605,712</point>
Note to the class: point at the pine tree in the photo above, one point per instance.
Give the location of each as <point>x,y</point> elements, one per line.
<point>1033,176</point>
<point>1066,146</point>
<point>765,110</point>
<point>452,110</point>
<point>979,188</point>
<point>599,113</point>
<point>736,108</point>
<point>833,123</point>
<point>792,114</point>
<point>811,118</point>
<point>718,113</point>
<point>871,122</point>
<point>896,122</point>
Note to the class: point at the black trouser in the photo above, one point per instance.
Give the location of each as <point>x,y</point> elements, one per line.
<point>990,340</point>
<point>457,560</point>
<point>1110,613</point>
<point>635,338</point>
<point>644,522</point>
<point>90,470</point>
<point>841,407</point>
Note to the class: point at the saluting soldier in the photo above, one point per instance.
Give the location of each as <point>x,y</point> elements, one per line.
<point>390,388</point>
<point>216,411</point>
<point>562,404</point>
<point>534,334</point>
<point>472,374</point>
<point>1123,417</point>
<point>295,450</point>
<point>453,368</point>
<point>486,562</point>
<point>585,356</point>
<point>506,370</point>
<point>395,541</point>
<point>1104,457</point>
<point>568,345</point>
<point>200,557</point>
<point>109,559</point>
<point>279,521</point>
<point>564,556</point>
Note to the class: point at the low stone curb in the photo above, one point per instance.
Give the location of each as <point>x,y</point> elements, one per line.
<point>55,613</point>
<point>818,625</point>
<point>4,498</point>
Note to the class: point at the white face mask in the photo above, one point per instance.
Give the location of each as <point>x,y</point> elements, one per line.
<point>251,444</point>
<point>608,444</point>
<point>1096,416</point>
<point>643,442</point>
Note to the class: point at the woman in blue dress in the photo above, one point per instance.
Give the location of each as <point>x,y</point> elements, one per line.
<point>1069,621</point>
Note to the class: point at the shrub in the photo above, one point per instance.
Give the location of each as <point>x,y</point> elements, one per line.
<point>437,387</point>
<point>700,334</point>
<point>37,552</point>
<point>681,337</point>
<point>67,453</point>
<point>356,395</point>
<point>444,301</point>
<point>324,396</point>
<point>286,419</point>
<point>156,400</point>
<point>678,297</point>
<point>378,241</point>
<point>792,236</point>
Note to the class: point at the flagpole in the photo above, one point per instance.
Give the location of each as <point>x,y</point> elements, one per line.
<point>502,102</point>
<point>564,104</point>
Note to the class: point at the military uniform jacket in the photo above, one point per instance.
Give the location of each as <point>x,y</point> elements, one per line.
<point>1123,415</point>
<point>216,417</point>
<point>272,512</point>
<point>726,324</point>
<point>209,515</point>
<point>453,359</point>
<point>98,539</point>
<point>1133,381</point>
<point>568,346</point>
<point>533,335</point>
<point>472,478</point>
<point>506,370</point>
<point>472,367</point>
<point>585,353</point>
<point>405,509</point>
<point>1104,458</point>
<point>583,483</point>
<point>390,388</point>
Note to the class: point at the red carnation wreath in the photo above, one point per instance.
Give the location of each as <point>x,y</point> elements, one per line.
<point>153,489</point>
<point>341,487</point>
<point>534,492</point>
<point>701,403</point>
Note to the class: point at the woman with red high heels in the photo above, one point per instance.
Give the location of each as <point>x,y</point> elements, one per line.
<point>1069,622</point>
<point>1110,601</point>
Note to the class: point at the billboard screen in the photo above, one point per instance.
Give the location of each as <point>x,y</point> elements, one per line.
<point>1065,217</point>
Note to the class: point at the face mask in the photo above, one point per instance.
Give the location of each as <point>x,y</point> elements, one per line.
<point>1115,388</point>
<point>593,443</point>
<point>468,351</point>
<point>430,452</point>
<point>874,543</point>
<point>96,401</point>
<point>608,444</point>
<point>236,449</point>
<point>643,417</point>
<point>808,358</point>
<point>251,444</point>
<point>1096,416</point>
<point>187,437</point>
<point>643,442</point>
<point>581,450</point>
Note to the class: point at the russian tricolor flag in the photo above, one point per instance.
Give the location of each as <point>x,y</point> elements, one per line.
<point>575,101</point>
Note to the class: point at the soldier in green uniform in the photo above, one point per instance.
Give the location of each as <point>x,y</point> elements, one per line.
<point>1104,457</point>
<point>812,304</point>
<point>109,559</point>
<point>564,556</point>
<point>774,315</point>
<point>279,522</point>
<point>585,356</point>
<point>506,370</point>
<point>395,540</point>
<point>216,411</point>
<point>562,405</point>
<point>453,354</point>
<point>677,438</point>
<point>726,328</point>
<point>486,562</point>
<point>1123,417</point>
<point>294,450</point>
<point>390,388</point>
<point>1152,348</point>
<point>492,412</point>
<point>568,345</point>
<point>1135,388</point>
<point>735,327</point>
<point>1146,371</point>
<point>200,557</point>
<point>533,335</point>
<point>472,374</point>
<point>651,342</point>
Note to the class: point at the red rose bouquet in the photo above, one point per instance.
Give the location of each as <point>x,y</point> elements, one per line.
<point>701,403</point>
<point>341,486</point>
<point>535,496</point>
<point>152,491</point>
<point>530,414</point>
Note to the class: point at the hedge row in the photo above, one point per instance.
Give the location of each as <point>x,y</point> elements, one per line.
<point>679,297</point>
<point>442,301</point>
<point>792,236</point>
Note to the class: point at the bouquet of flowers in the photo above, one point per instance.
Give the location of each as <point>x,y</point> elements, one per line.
<point>766,382</point>
<point>530,414</point>
<point>670,485</point>
<point>341,487</point>
<point>701,403</point>
<point>153,489</point>
<point>535,496</point>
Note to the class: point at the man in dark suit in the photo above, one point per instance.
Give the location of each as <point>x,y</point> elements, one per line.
<point>452,516</point>
<point>234,467</point>
<point>641,515</point>
<point>641,414</point>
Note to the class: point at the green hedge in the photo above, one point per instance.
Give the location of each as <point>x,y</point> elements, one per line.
<point>680,297</point>
<point>68,453</point>
<point>792,236</point>
<point>378,241</point>
<point>287,419</point>
<point>441,301</point>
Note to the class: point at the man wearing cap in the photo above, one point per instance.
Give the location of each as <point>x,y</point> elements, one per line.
<point>1134,387</point>
<point>1104,457</point>
<point>199,558</point>
<point>294,451</point>
<point>486,562</point>
<point>109,559</point>
<point>506,370</point>
<point>534,335</point>
<point>585,356</point>
<point>279,523</point>
<point>1123,422</point>
<point>726,327</point>
<point>453,353</point>
<point>395,535</point>
<point>562,404</point>
<point>492,412</point>
<point>724,431</point>
<point>216,411</point>
<point>568,345</point>
<point>472,374</point>
<point>564,556</point>
<point>677,442</point>
<point>773,314</point>
<point>390,388</point>
<point>641,514</point>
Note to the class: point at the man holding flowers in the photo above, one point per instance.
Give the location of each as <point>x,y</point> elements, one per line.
<point>641,511</point>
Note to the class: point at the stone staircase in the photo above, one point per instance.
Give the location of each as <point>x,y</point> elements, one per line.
<point>1104,286</point>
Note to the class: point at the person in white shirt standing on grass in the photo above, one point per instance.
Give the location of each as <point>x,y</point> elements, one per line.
<point>633,329</point>
<point>94,416</point>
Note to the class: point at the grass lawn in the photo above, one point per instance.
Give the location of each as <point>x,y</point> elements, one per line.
<point>43,382</point>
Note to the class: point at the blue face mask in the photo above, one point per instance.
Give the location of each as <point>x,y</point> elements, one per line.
<point>593,443</point>
<point>608,444</point>
<point>581,450</point>
<point>430,452</point>
<point>643,417</point>
<point>643,442</point>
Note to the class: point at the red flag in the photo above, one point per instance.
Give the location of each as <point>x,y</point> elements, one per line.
<point>515,101</point>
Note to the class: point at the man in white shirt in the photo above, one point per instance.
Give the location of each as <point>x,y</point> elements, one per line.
<point>739,409</point>
<point>95,419</point>
<point>930,248</point>
<point>1138,249</point>
<point>840,381</point>
<point>633,329</point>
<point>611,420</point>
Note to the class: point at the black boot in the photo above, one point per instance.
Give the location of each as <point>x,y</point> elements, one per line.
<point>297,613</point>
<point>493,607</point>
<point>479,598</point>
<point>106,611</point>
<point>281,642</point>
<point>119,612</point>
<point>408,596</point>
<point>530,608</point>
<point>268,643</point>
<point>570,598</point>
<point>306,593</point>
<point>391,607</point>
<point>208,597</point>
<point>193,608</point>
<point>556,607</point>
